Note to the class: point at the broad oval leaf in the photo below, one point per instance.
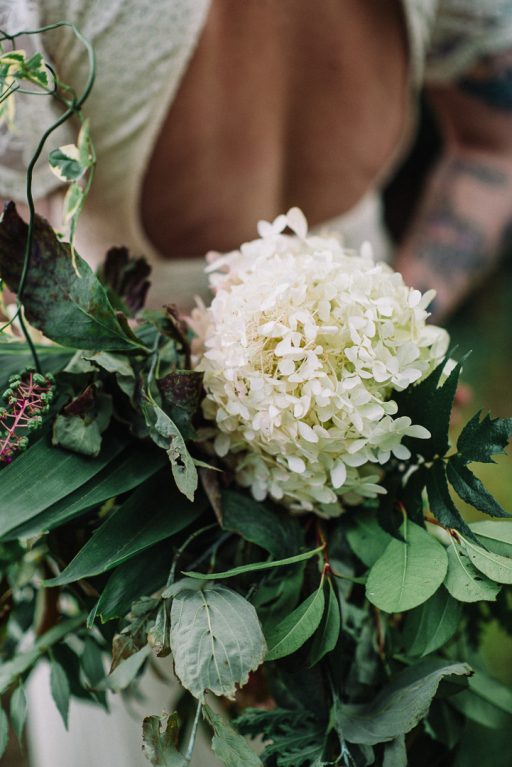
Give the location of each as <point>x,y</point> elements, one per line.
<point>492,531</point>
<point>216,640</point>
<point>366,538</point>
<point>408,572</point>
<point>497,567</point>
<point>464,582</point>
<point>71,309</point>
<point>432,624</point>
<point>291,633</point>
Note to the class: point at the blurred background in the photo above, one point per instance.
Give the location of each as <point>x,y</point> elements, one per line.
<point>484,327</point>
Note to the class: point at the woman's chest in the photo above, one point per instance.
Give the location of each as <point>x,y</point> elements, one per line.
<point>285,102</point>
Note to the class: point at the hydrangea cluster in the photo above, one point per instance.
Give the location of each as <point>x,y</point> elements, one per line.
<point>301,349</point>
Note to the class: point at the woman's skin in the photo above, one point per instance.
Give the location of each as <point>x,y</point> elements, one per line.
<point>295,102</point>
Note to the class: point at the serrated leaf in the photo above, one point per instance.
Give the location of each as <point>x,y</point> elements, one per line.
<point>164,432</point>
<point>228,745</point>
<point>408,572</point>
<point>430,405</point>
<point>160,735</point>
<point>292,631</point>
<point>440,500</point>
<point>4,731</point>
<point>254,567</point>
<point>400,705</point>
<point>327,635</point>
<point>481,439</point>
<point>464,582</point>
<point>18,711</point>
<point>277,532</point>
<point>131,529</point>
<point>366,538</point>
<point>216,640</point>
<point>59,686</point>
<point>432,624</point>
<point>497,567</point>
<point>72,310</point>
<point>471,489</point>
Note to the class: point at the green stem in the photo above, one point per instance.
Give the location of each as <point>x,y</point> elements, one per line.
<point>193,734</point>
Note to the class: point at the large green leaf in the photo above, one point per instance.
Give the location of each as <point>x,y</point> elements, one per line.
<point>127,471</point>
<point>124,673</point>
<point>464,582</point>
<point>496,535</point>
<point>277,532</point>
<point>228,745</point>
<point>481,439</point>
<point>486,701</point>
<point>15,357</point>
<point>153,512</point>
<point>43,475</point>
<point>432,624</point>
<point>497,567</point>
<point>366,537</point>
<point>216,640</point>
<point>400,705</point>
<point>296,628</point>
<point>408,572</point>
<point>160,736</point>
<point>471,489</point>
<point>71,309</point>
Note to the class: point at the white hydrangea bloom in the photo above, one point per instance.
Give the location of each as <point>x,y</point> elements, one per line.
<point>301,349</point>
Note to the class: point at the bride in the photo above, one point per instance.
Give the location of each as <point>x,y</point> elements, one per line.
<point>208,115</point>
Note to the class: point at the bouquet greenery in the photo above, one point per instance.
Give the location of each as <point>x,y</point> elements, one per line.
<point>265,492</point>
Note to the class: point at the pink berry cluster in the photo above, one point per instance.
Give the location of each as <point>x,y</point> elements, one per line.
<point>26,400</point>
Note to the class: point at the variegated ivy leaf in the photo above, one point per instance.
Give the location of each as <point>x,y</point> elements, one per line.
<point>65,163</point>
<point>216,640</point>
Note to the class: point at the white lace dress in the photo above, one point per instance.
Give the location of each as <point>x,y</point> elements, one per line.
<point>143,48</point>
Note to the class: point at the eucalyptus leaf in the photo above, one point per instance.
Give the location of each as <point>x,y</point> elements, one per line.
<point>59,686</point>
<point>18,711</point>
<point>327,635</point>
<point>160,735</point>
<point>254,567</point>
<point>432,624</point>
<point>124,674</point>
<point>69,308</point>
<point>464,582</point>
<point>497,567</point>
<point>292,631</point>
<point>153,512</point>
<point>400,705</point>
<point>216,640</point>
<point>228,745</point>
<point>408,572</point>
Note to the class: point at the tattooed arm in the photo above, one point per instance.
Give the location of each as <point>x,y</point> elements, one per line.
<point>466,212</point>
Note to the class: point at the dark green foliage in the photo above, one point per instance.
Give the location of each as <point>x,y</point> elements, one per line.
<point>297,737</point>
<point>471,489</point>
<point>481,439</point>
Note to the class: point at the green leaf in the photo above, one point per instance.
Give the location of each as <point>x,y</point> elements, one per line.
<point>278,593</point>
<point>44,475</point>
<point>400,705</point>
<point>116,364</point>
<point>495,535</point>
<point>408,572</point>
<point>486,701</point>
<point>129,470</point>
<point>497,567</point>
<point>153,512</point>
<point>216,640</point>
<point>471,489</point>
<point>4,731</point>
<point>92,662</point>
<point>440,500</point>
<point>275,531</point>
<point>124,674</point>
<point>254,567</point>
<point>18,711</point>
<point>395,753</point>
<point>59,686</point>
<point>72,310</point>
<point>160,736</point>
<point>296,628</point>
<point>430,405</point>
<point>432,625</point>
<point>481,439</point>
<point>77,434</point>
<point>65,163</point>
<point>15,357</point>
<point>228,745</point>
<point>293,737</point>
<point>140,576</point>
<point>366,538</point>
<point>166,435</point>
<point>464,582</point>
<point>327,635</point>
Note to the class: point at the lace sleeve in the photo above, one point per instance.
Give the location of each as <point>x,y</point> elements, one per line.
<point>464,32</point>
<point>33,115</point>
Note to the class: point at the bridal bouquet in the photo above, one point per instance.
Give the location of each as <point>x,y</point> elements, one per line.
<point>265,492</point>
